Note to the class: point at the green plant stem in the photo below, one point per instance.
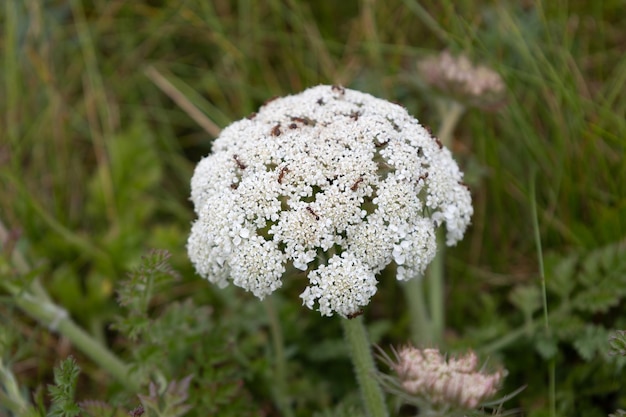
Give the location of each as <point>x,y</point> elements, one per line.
<point>436,291</point>
<point>36,303</point>
<point>421,332</point>
<point>57,319</point>
<point>544,293</point>
<point>10,396</point>
<point>280,360</point>
<point>361,354</point>
<point>450,113</point>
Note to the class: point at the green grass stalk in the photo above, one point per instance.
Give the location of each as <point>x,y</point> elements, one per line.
<point>552,365</point>
<point>361,355</point>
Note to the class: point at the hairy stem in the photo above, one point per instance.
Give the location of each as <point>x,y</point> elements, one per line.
<point>36,303</point>
<point>435,277</point>
<point>421,331</point>
<point>280,361</point>
<point>361,354</point>
<point>57,319</point>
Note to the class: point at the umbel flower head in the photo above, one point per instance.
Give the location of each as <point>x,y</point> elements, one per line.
<point>476,85</point>
<point>452,382</point>
<point>330,181</point>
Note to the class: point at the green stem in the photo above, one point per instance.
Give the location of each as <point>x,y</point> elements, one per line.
<point>544,293</point>
<point>36,303</point>
<point>451,112</point>
<point>361,354</point>
<point>280,361</point>
<point>12,398</point>
<point>57,319</point>
<point>436,290</point>
<point>421,331</point>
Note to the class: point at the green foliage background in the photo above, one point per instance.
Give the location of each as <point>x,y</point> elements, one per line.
<point>95,162</point>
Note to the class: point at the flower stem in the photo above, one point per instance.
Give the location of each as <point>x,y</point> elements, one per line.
<point>280,361</point>
<point>436,285</point>
<point>35,302</point>
<point>57,319</point>
<point>421,330</point>
<point>451,112</point>
<point>361,354</point>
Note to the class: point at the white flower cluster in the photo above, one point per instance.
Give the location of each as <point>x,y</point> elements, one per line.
<point>445,382</point>
<point>333,182</point>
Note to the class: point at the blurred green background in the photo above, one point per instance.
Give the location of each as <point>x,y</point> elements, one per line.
<point>108,104</point>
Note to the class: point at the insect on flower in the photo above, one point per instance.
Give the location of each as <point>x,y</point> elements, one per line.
<point>338,89</point>
<point>381,144</point>
<point>240,164</point>
<point>304,120</point>
<point>355,314</point>
<point>307,191</point>
<point>314,214</point>
<point>282,173</point>
<point>356,184</point>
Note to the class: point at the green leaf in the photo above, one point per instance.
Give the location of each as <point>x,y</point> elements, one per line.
<point>561,280</point>
<point>598,299</point>
<point>546,346</point>
<point>62,392</point>
<point>591,342</point>
<point>527,299</point>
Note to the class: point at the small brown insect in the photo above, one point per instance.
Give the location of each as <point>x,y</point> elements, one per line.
<point>314,214</point>
<point>234,185</point>
<point>423,177</point>
<point>381,144</point>
<point>355,314</point>
<point>438,142</point>
<point>269,100</point>
<point>293,126</point>
<point>282,173</point>
<point>355,115</point>
<point>320,101</point>
<point>240,164</point>
<point>338,88</point>
<point>356,184</point>
<point>428,129</point>
<point>276,130</point>
<point>251,115</point>
<point>304,120</point>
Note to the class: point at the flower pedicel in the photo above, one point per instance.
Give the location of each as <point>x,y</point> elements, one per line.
<point>333,182</point>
